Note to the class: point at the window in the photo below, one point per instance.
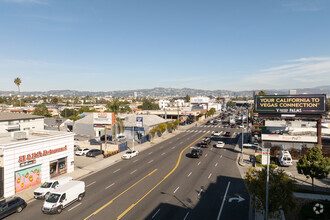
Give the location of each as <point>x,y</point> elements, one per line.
<point>12,202</point>
<point>55,184</point>
<point>63,197</point>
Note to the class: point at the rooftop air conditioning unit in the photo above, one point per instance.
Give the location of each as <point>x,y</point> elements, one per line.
<point>20,135</point>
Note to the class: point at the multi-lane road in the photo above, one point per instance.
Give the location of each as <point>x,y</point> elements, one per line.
<point>163,182</point>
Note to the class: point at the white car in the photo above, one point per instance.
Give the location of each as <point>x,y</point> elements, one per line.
<point>220,144</point>
<point>82,151</point>
<point>130,154</point>
<point>216,133</point>
<point>121,138</point>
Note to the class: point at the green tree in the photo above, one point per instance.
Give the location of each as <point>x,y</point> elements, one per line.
<point>67,112</point>
<point>262,92</point>
<point>148,105</point>
<point>162,127</point>
<point>212,111</point>
<point>85,109</point>
<point>328,105</point>
<point>187,98</point>
<point>42,110</point>
<point>279,182</point>
<point>18,82</point>
<point>54,100</point>
<point>314,165</point>
<point>230,103</point>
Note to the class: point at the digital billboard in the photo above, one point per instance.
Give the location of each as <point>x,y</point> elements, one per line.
<point>290,104</point>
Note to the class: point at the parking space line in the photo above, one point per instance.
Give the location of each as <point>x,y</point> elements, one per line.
<point>91,184</point>
<point>176,190</point>
<point>109,186</point>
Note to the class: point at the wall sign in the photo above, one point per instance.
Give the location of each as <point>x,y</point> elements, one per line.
<point>30,157</point>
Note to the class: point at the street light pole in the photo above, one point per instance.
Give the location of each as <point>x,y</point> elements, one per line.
<point>267,184</point>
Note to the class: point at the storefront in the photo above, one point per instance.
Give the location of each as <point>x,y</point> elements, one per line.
<point>42,156</point>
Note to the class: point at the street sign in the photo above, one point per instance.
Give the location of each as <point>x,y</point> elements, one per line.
<point>139,121</point>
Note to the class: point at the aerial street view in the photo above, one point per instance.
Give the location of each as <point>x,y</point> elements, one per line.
<point>165,110</point>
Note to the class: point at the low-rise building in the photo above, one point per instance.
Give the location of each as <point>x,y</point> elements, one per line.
<point>10,122</point>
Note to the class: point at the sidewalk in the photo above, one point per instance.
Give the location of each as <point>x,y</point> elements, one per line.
<point>298,178</point>
<point>81,172</point>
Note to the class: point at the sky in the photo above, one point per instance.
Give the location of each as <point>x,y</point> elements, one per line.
<point>106,45</point>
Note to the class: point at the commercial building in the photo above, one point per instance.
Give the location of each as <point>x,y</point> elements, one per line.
<point>10,122</point>
<point>29,158</point>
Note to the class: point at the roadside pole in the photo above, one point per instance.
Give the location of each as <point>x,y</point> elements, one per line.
<point>267,183</point>
<point>242,143</point>
<point>133,137</point>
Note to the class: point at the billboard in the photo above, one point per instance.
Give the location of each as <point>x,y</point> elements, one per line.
<point>290,104</point>
<point>103,118</point>
<point>199,100</point>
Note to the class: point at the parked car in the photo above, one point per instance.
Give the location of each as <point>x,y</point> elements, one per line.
<point>252,146</point>
<point>130,154</point>
<point>284,158</point>
<point>11,205</point>
<point>220,144</point>
<point>94,142</point>
<point>196,152</point>
<point>109,138</point>
<point>93,153</point>
<point>81,151</point>
<point>64,196</point>
<point>47,187</point>
<point>121,138</point>
<point>227,134</point>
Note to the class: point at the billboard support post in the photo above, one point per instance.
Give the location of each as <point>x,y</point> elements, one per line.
<point>319,135</point>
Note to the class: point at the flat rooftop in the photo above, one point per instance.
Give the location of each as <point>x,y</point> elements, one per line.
<point>6,139</point>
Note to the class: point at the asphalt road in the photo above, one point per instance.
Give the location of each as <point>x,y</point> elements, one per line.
<point>163,182</point>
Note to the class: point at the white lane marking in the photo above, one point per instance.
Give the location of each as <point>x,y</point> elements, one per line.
<point>210,176</point>
<point>135,160</point>
<point>109,186</point>
<point>198,163</point>
<point>74,207</point>
<point>173,147</point>
<point>211,148</point>
<point>216,164</point>
<point>199,131</point>
<point>205,155</point>
<point>189,174</point>
<point>208,132</point>
<point>163,153</point>
<point>220,156</point>
<point>181,142</point>
<point>149,153</point>
<point>150,161</point>
<point>133,172</point>
<point>91,184</point>
<point>155,214</point>
<point>186,216</point>
<point>116,171</point>
<point>223,201</point>
<point>176,190</point>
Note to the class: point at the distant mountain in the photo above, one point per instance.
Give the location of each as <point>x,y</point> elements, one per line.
<point>171,92</point>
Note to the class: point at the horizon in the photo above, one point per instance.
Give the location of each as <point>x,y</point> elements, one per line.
<point>209,45</point>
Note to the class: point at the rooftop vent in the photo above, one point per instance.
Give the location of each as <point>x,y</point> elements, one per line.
<point>20,135</point>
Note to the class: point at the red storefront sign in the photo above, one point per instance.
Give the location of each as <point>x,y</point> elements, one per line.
<point>35,155</point>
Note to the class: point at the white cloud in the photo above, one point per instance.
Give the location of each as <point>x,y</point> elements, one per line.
<point>295,73</point>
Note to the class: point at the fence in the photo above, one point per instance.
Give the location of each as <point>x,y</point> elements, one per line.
<point>122,147</point>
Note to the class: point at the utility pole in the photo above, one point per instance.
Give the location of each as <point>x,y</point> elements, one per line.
<point>267,184</point>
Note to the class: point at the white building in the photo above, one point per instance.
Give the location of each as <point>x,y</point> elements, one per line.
<point>28,162</point>
<point>179,103</point>
<point>163,103</point>
<point>10,122</point>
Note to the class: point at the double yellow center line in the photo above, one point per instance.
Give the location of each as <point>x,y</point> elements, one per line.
<point>134,204</point>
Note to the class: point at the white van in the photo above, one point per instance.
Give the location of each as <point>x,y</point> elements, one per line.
<point>284,158</point>
<point>64,196</point>
<point>44,190</point>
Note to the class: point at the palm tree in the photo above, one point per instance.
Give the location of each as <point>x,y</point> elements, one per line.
<point>114,107</point>
<point>18,82</point>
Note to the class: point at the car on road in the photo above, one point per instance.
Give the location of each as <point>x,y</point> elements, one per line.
<point>93,153</point>
<point>11,205</point>
<point>232,125</point>
<point>109,138</point>
<point>94,142</point>
<point>216,133</point>
<point>196,152</point>
<point>220,144</point>
<point>252,146</point>
<point>130,154</point>
<point>227,134</point>
<point>45,189</point>
<point>205,142</point>
<point>81,151</point>
<point>121,138</point>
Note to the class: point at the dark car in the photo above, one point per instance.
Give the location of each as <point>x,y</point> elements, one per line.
<point>109,138</point>
<point>196,152</point>
<point>93,153</point>
<point>232,125</point>
<point>227,134</point>
<point>10,206</point>
<point>94,142</point>
<point>205,142</point>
